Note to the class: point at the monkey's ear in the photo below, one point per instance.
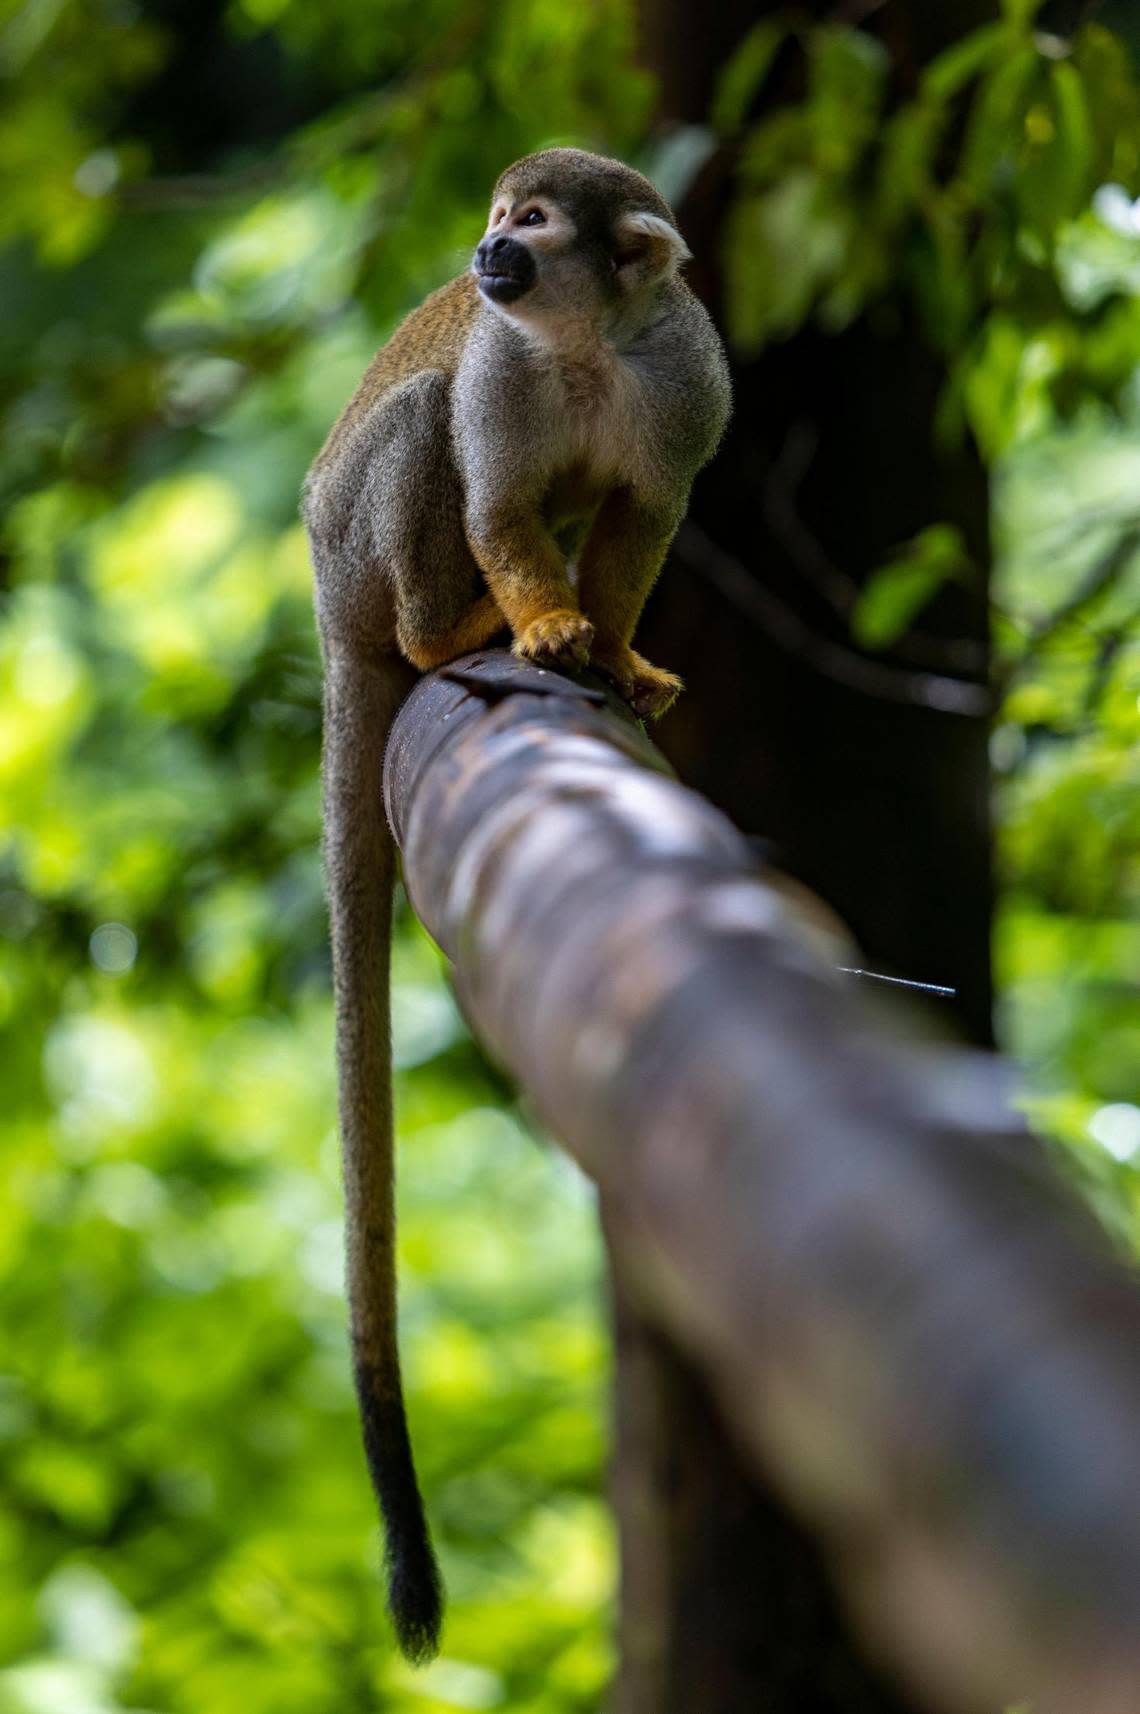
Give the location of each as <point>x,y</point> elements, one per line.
<point>646,249</point>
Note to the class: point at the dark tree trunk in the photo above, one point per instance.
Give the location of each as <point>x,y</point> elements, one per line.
<point>880,805</point>
<point>829,465</point>
<point>725,1605</point>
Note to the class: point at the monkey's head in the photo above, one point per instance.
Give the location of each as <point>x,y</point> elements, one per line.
<point>573,234</point>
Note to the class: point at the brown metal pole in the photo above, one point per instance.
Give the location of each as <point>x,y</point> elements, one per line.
<point>911,1326</point>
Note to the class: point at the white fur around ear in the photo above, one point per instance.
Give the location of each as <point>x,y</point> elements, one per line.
<point>648,248</point>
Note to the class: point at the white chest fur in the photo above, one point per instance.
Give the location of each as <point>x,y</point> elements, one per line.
<point>600,402</point>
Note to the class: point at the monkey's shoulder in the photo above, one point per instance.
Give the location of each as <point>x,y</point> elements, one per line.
<point>427,344</point>
<point>683,371</point>
<point>682,340</point>
<point>433,336</point>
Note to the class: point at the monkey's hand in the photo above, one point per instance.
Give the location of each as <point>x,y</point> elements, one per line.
<point>649,690</point>
<point>562,636</point>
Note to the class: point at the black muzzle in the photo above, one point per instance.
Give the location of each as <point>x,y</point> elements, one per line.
<point>504,268</point>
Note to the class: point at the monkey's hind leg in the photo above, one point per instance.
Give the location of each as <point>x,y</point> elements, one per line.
<point>443,608</point>
<point>474,630</point>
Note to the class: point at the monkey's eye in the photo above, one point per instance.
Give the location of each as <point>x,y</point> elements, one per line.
<point>534,218</point>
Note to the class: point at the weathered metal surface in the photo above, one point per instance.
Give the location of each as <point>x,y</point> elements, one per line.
<point>912,1327</point>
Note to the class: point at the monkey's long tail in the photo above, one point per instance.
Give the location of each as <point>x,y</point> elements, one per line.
<point>361,697</point>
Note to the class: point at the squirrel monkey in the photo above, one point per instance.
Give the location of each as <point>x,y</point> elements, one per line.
<point>518,455</point>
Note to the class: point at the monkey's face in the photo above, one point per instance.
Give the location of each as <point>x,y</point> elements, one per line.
<point>529,251</point>
<point>571,238</point>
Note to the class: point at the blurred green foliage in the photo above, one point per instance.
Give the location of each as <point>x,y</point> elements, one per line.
<point>187,1524</point>
<point>208,219</point>
<point>998,202</point>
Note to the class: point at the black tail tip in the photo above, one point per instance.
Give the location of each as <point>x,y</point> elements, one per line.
<point>415,1602</point>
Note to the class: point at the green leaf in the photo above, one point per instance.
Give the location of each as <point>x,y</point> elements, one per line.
<point>778,146</point>
<point>1105,68</point>
<point>744,73</point>
<point>1021,13</point>
<point>897,591</point>
<point>905,172</point>
<point>963,61</point>
<point>783,249</point>
<point>997,124</point>
<point>1005,383</point>
<point>1054,180</point>
<point>847,78</point>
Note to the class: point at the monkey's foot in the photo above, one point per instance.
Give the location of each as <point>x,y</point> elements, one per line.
<point>649,690</point>
<point>562,636</point>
